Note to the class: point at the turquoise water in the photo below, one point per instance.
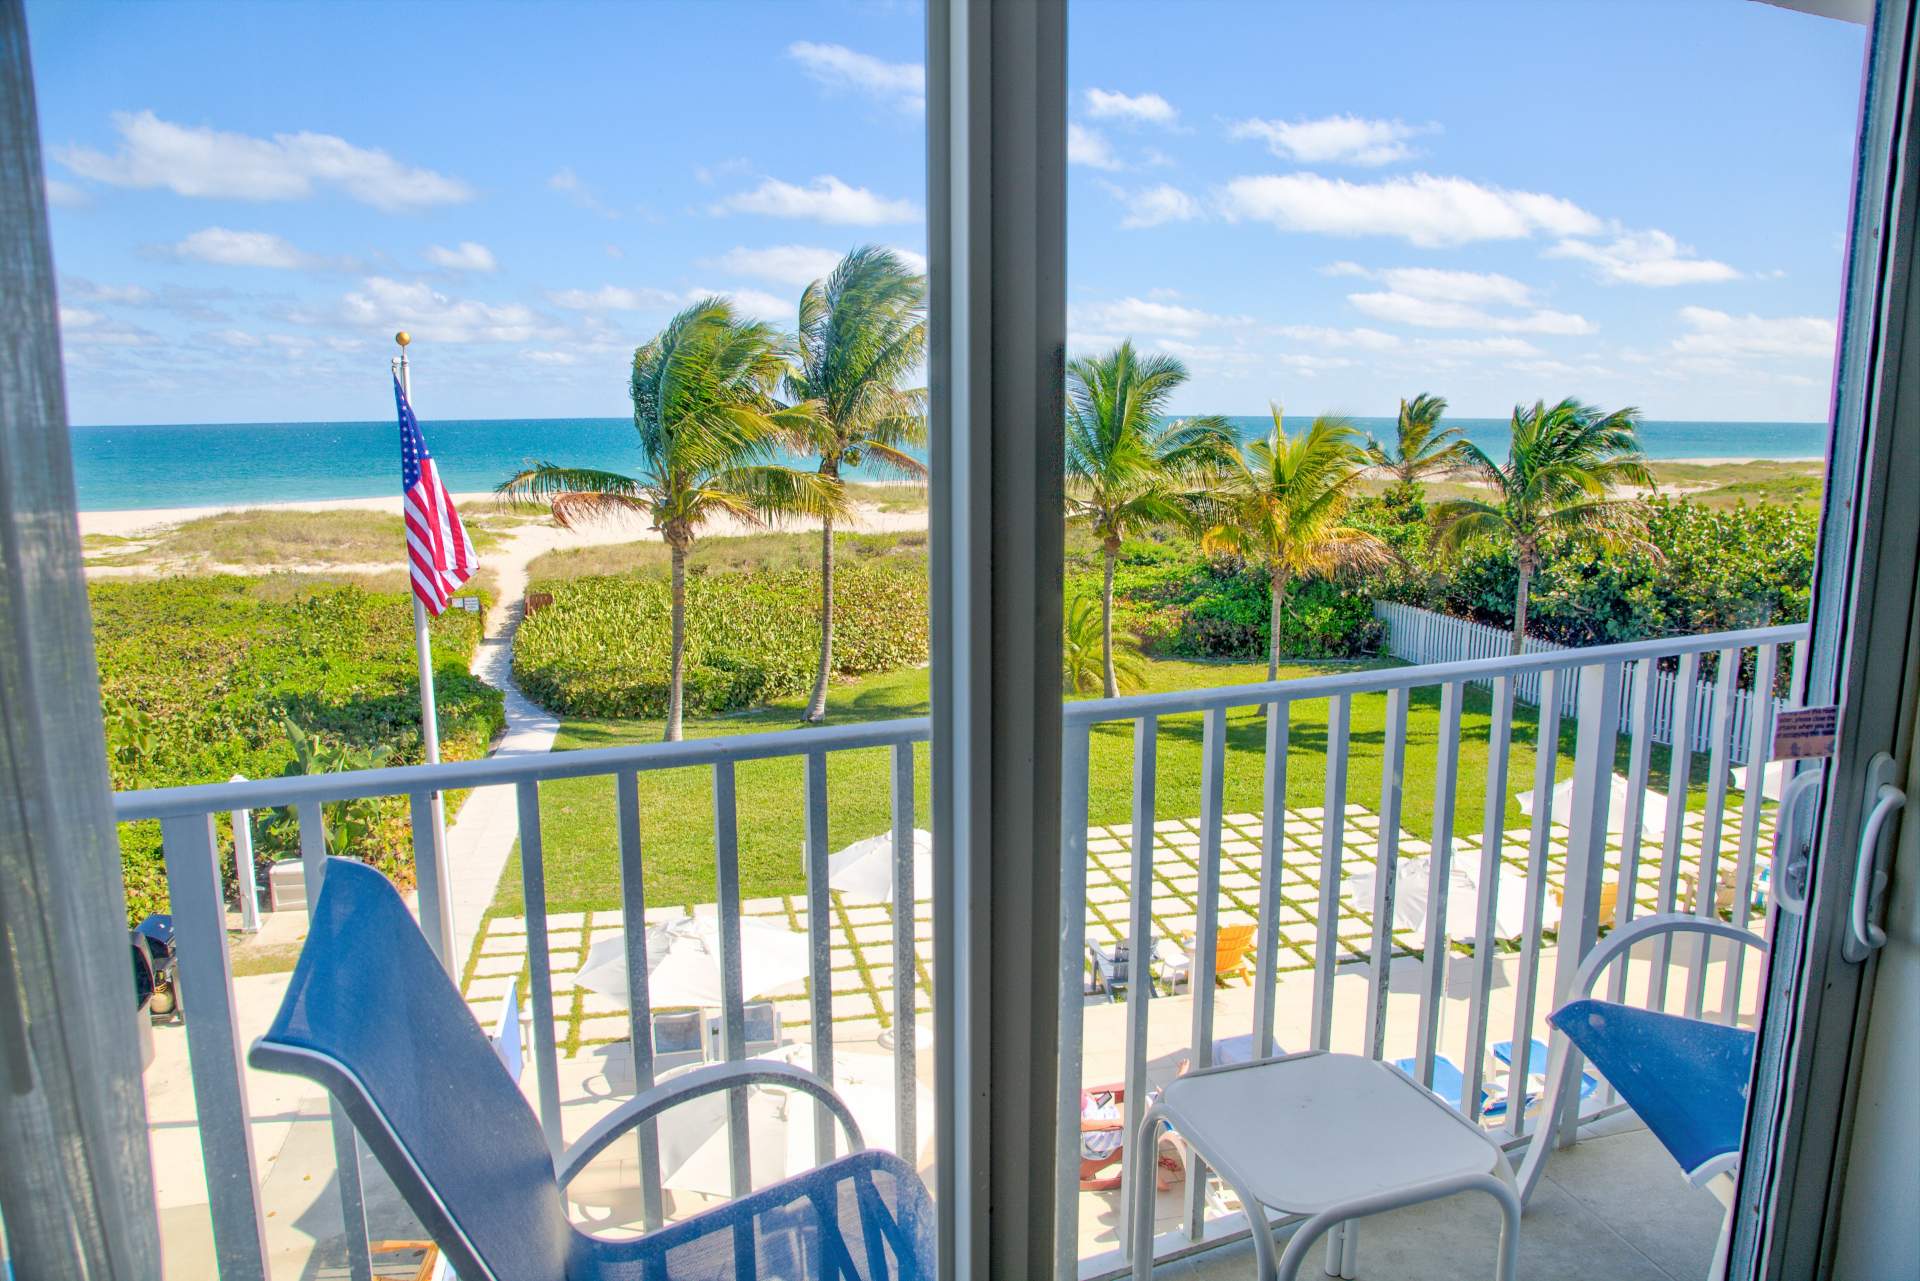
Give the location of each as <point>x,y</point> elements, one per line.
<point>191,465</point>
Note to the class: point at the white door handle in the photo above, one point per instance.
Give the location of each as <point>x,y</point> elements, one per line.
<point>1786,813</point>
<point>1869,883</point>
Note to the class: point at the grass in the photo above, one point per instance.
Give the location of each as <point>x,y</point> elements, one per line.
<point>892,498</point>
<point>745,553</point>
<point>1796,483</point>
<point>264,538</point>
<point>676,806</point>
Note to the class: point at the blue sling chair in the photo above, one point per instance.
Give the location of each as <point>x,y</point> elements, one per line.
<point>371,1016</point>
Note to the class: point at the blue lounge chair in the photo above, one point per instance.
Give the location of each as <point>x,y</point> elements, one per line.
<point>1449,1083</point>
<point>371,1016</point>
<point>1537,1062</point>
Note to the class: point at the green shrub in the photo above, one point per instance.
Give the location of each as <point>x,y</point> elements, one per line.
<point>1718,570</point>
<point>1184,604</point>
<point>602,648</point>
<point>196,674</point>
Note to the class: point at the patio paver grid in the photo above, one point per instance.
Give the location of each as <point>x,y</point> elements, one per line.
<point>862,947</point>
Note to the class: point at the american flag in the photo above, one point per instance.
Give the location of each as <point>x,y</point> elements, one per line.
<point>437,542</point>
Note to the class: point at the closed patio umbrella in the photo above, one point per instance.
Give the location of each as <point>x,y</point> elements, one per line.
<point>693,1135</point>
<point>1653,815</point>
<point>683,961</point>
<point>1412,894</point>
<point>863,872</point>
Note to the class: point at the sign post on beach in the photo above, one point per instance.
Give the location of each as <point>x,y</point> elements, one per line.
<point>440,558</point>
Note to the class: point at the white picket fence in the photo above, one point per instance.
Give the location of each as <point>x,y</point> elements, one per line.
<point>1421,636</point>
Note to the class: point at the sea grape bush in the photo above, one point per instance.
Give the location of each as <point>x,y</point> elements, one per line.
<point>601,648</point>
<point>197,674</point>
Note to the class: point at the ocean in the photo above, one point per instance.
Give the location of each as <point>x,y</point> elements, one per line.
<point>222,464</point>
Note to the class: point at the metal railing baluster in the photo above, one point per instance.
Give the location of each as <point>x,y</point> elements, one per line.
<point>1273,841</point>
<point>1206,939</point>
<point>906,974</point>
<point>819,946</point>
<point>1597,733</point>
<point>346,1144</point>
<point>1333,831</point>
<point>213,1045</point>
<point>1759,748</point>
<point>1493,835</point>
<point>1386,871</point>
<point>1679,784</point>
<point>1075,753</point>
<point>1433,992</point>
<point>1133,1165</point>
<point>633,916</point>
<point>733,1001</point>
<point>430,882</point>
<point>1706,890</point>
<point>1526,981</point>
<point>533,889</point>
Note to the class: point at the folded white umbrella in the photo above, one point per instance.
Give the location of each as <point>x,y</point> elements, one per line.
<point>1413,881</point>
<point>780,1130</point>
<point>683,961</point>
<point>1773,779</point>
<point>863,872</point>
<point>1653,814</point>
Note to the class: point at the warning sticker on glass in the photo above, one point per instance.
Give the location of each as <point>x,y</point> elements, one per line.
<point>1805,732</point>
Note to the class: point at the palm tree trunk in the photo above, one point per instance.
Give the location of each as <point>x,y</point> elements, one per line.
<point>817,705</point>
<point>677,681</point>
<point>1106,626</point>
<point>1520,607</point>
<point>1273,624</point>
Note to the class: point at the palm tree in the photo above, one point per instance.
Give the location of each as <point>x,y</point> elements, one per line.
<point>1562,463</point>
<point>1283,503</point>
<point>863,330</point>
<point>1421,447</point>
<point>1083,657</point>
<point>1126,464</point>
<point>709,430</point>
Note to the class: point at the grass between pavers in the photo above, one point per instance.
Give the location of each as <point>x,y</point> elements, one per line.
<point>676,806</point>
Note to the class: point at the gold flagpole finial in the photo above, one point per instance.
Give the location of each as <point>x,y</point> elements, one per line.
<point>403,338</point>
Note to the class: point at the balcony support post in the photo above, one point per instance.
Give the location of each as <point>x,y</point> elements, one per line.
<point>1595,738</point>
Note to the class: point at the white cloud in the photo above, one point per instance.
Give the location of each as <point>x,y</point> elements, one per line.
<point>1424,209</point>
<point>64,195</point>
<point>1323,335</point>
<point>1434,298</point>
<point>1349,140</point>
<point>554,357</point>
<point>78,318</point>
<point>1511,348</point>
<point>1645,258</point>
<point>392,304</point>
<point>574,188</point>
<point>1141,315</point>
<point>198,161</point>
<point>757,304</point>
<point>84,290</point>
<point>1434,313</point>
<point>903,84</point>
<point>915,260</point>
<point>1148,108</point>
<point>241,338</point>
<point>1717,334</point>
<point>827,200</point>
<point>465,256</point>
<point>225,248</point>
<point>613,298</point>
<point>1153,206</point>
<point>784,264</point>
<point>1090,147</point>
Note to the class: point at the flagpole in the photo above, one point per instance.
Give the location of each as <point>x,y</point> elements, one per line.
<point>434,882</point>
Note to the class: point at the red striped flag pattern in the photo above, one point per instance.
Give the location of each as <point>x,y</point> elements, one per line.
<point>437,545</point>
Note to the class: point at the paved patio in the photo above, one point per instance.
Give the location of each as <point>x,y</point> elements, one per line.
<point>862,948</point>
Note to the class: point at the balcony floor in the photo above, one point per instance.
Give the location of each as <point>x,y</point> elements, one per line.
<point>1613,1206</point>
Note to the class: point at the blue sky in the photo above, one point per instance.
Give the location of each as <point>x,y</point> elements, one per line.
<point>1330,205</point>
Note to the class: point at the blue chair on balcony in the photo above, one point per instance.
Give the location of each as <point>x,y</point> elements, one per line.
<point>371,1015</point>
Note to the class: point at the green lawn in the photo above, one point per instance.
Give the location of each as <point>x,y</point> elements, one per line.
<point>577,815</point>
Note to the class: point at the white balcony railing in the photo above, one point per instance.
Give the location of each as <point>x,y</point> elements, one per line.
<point>1606,689</point>
<point>1601,679</point>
